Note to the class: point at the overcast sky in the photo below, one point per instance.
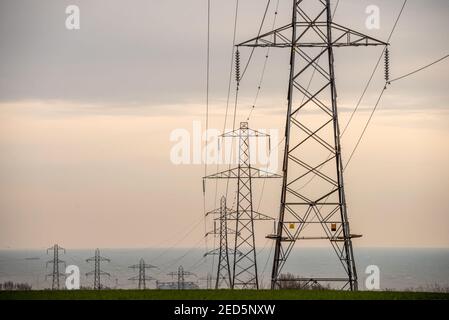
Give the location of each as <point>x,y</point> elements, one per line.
<point>85,119</point>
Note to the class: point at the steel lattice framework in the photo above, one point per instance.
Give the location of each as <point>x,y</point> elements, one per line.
<point>97,272</point>
<point>181,274</point>
<point>223,279</point>
<point>244,272</point>
<point>55,262</point>
<point>313,204</point>
<point>142,277</point>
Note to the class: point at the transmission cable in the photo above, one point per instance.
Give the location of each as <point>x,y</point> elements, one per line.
<point>258,34</point>
<point>375,69</point>
<point>420,69</point>
<point>207,118</point>
<point>227,104</point>
<point>366,127</point>
<point>253,106</point>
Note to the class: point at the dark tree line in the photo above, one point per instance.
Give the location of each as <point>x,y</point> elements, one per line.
<point>289,281</point>
<point>10,286</point>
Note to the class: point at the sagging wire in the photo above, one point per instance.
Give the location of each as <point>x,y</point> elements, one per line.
<point>207,118</point>
<point>267,55</point>
<point>419,69</point>
<point>228,103</point>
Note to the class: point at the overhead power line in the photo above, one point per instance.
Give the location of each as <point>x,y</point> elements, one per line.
<point>365,89</point>
<point>366,127</point>
<point>267,55</point>
<point>380,97</point>
<point>207,118</point>
<point>420,69</point>
<point>258,34</point>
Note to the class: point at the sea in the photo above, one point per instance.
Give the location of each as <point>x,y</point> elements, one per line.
<point>415,269</point>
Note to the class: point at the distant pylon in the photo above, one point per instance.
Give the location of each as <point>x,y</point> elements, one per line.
<point>224,269</point>
<point>55,274</point>
<point>181,274</point>
<point>208,280</point>
<point>97,272</point>
<point>244,272</point>
<point>142,277</point>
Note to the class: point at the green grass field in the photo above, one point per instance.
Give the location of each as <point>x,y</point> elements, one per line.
<point>218,295</point>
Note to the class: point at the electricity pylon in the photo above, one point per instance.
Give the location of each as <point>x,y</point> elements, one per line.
<point>142,266</point>
<point>181,274</point>
<point>97,272</point>
<point>313,204</point>
<point>208,280</point>
<point>55,273</point>
<point>244,272</point>
<point>223,269</point>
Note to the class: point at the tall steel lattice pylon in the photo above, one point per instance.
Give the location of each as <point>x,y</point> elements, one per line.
<point>244,272</point>
<point>142,277</point>
<point>223,279</point>
<point>55,262</point>
<point>313,205</point>
<point>97,272</point>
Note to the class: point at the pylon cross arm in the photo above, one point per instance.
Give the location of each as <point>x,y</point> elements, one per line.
<point>247,133</point>
<point>234,174</point>
<point>135,278</point>
<point>281,37</point>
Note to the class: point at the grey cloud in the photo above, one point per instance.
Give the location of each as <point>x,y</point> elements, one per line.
<point>153,51</point>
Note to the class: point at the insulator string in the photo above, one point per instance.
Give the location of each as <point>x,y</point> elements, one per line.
<point>387,65</point>
<point>237,67</point>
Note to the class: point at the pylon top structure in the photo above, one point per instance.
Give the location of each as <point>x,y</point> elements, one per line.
<point>313,203</point>
<point>244,272</point>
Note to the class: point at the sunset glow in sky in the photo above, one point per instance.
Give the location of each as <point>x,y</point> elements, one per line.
<point>86,116</point>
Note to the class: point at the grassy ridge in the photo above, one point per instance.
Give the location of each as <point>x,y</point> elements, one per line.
<point>218,295</point>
